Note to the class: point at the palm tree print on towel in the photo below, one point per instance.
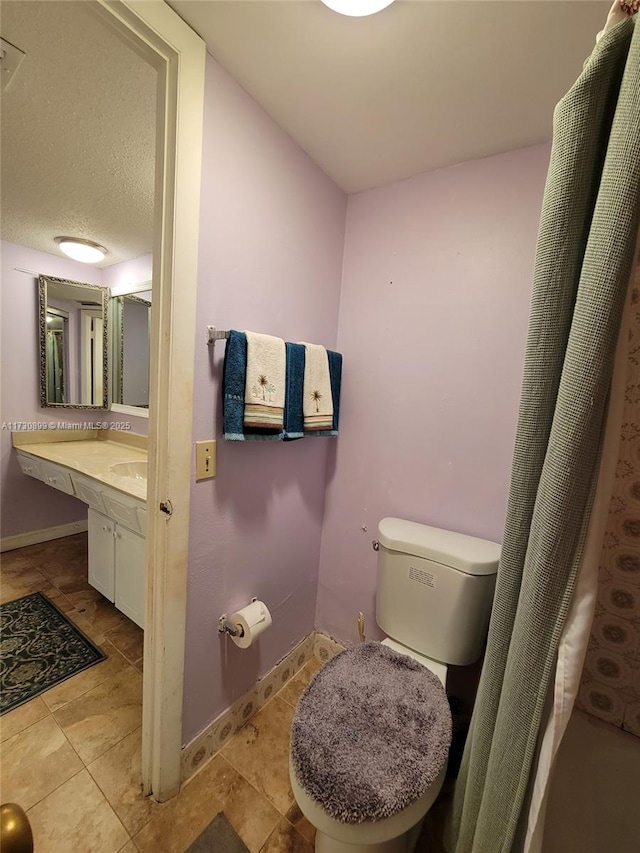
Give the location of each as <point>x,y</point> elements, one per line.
<point>316,396</point>
<point>265,387</point>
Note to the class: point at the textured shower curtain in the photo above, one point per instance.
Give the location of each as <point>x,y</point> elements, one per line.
<point>585,248</point>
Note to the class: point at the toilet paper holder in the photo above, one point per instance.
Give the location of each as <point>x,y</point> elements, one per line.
<point>225,627</point>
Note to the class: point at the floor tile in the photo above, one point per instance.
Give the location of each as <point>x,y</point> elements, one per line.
<point>128,639</point>
<point>63,563</point>
<point>260,752</point>
<point>11,561</point>
<point>90,629</point>
<point>104,715</point>
<point>117,773</point>
<point>292,691</point>
<point>95,609</point>
<point>35,762</point>
<point>50,556</point>
<point>76,818</point>
<point>22,717</point>
<point>285,839</point>
<point>70,578</point>
<point>217,787</point>
<point>300,823</point>
<point>21,580</point>
<point>60,600</point>
<point>83,682</point>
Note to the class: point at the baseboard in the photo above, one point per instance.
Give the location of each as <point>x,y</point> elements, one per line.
<point>206,744</point>
<point>35,537</point>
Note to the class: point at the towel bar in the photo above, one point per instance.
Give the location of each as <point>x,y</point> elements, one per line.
<point>214,335</point>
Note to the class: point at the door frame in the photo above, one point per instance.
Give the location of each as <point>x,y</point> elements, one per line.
<point>162,38</point>
<point>91,369</point>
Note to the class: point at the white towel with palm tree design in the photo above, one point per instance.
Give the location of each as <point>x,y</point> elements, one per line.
<point>265,381</point>
<point>317,406</point>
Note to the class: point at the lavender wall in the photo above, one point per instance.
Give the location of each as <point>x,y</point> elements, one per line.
<point>271,245</point>
<point>27,504</point>
<point>433,318</point>
<point>128,272</point>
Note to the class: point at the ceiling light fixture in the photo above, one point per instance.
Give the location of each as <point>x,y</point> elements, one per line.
<point>357,8</point>
<point>85,251</point>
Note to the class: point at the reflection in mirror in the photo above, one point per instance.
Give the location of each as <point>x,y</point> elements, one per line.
<point>73,343</point>
<point>131,317</point>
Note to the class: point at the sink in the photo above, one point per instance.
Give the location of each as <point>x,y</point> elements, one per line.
<point>133,470</point>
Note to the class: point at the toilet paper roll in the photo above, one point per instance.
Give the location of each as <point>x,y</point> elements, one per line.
<point>252,621</point>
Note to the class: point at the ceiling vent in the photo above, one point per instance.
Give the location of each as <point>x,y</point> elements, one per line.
<point>10,59</point>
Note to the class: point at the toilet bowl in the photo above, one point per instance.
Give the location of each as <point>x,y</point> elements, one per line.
<point>361,800</point>
<point>396,834</point>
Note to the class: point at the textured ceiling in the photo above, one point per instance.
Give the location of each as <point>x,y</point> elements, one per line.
<point>78,132</point>
<point>418,86</point>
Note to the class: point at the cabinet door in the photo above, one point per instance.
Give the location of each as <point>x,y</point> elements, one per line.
<point>101,554</point>
<point>131,574</point>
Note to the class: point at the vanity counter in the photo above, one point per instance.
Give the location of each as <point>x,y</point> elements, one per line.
<point>93,457</point>
<point>110,477</point>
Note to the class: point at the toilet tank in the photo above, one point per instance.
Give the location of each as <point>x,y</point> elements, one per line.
<point>435,589</point>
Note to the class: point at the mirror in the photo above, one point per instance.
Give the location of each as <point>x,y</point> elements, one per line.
<point>73,343</point>
<point>131,325</point>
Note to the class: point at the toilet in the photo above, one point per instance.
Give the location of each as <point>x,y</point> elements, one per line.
<point>371,733</point>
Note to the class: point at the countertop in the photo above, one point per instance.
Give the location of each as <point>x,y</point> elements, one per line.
<point>93,458</point>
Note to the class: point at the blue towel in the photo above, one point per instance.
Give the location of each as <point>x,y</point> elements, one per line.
<point>335,377</point>
<point>293,417</point>
<point>233,385</point>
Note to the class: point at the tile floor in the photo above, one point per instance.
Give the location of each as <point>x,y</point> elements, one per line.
<point>71,757</point>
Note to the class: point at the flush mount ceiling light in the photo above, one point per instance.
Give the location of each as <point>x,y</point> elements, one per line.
<point>85,251</point>
<point>357,8</point>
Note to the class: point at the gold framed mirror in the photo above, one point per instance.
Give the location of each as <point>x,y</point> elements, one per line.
<point>73,344</point>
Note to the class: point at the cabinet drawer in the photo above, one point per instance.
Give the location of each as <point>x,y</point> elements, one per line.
<point>30,466</point>
<point>56,477</point>
<point>88,491</point>
<point>123,510</point>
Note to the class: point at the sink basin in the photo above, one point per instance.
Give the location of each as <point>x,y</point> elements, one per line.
<point>133,470</point>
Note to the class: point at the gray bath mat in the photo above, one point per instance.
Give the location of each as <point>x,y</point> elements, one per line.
<point>218,837</point>
<point>371,733</point>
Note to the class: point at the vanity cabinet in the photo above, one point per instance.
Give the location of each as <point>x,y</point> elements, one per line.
<point>117,563</point>
<point>102,576</point>
<point>117,524</point>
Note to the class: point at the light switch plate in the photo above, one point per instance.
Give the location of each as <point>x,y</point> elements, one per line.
<point>205,459</point>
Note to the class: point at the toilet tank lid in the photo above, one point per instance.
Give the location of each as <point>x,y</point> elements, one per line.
<point>466,553</point>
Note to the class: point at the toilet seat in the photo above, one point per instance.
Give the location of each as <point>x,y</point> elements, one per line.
<point>370,738</point>
<point>367,832</point>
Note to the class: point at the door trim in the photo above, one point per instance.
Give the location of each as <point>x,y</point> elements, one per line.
<point>154,30</point>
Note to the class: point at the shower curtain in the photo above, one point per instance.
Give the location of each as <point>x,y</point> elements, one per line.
<point>585,248</point>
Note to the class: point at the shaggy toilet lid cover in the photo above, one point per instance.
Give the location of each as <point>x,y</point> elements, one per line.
<point>371,733</point>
